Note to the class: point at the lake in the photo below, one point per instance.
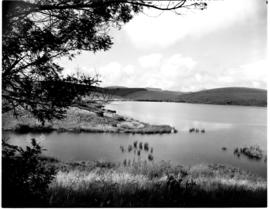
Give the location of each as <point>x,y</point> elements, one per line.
<point>225,126</point>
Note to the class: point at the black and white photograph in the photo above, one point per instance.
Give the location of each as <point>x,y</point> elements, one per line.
<point>134,103</point>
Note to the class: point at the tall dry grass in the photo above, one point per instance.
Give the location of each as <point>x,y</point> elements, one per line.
<point>156,185</point>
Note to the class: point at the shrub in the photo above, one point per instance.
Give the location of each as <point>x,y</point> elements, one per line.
<point>25,178</point>
<point>21,128</point>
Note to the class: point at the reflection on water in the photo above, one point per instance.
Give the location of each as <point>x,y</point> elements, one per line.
<point>211,126</point>
<point>225,126</point>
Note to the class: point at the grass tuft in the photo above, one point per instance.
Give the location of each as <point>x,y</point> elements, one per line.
<point>143,184</point>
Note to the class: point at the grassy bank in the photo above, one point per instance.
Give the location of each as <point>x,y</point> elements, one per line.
<point>144,184</point>
<point>87,117</point>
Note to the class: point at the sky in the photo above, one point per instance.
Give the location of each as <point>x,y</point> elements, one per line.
<point>222,46</point>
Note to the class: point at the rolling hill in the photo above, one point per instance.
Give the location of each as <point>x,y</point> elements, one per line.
<point>224,96</point>
<point>145,94</point>
<point>227,96</point>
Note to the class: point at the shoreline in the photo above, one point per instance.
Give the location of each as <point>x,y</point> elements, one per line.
<point>86,117</point>
<point>184,102</point>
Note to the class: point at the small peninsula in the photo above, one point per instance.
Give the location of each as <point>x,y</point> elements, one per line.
<point>85,116</point>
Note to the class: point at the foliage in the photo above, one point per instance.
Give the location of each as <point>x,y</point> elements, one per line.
<point>25,178</point>
<point>35,33</point>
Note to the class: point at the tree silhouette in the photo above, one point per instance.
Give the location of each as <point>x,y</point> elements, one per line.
<point>25,177</point>
<point>37,32</point>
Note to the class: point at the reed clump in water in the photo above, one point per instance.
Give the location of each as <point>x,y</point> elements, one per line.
<point>196,130</point>
<point>252,152</point>
<point>141,152</point>
<point>139,181</point>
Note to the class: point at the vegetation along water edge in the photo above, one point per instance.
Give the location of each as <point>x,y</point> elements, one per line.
<point>83,117</point>
<point>49,182</point>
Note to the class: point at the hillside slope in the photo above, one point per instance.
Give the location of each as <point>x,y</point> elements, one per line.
<point>227,96</point>
<point>224,96</point>
<point>145,94</point>
<point>151,95</point>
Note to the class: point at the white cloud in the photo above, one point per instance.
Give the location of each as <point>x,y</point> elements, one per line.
<point>167,74</point>
<point>249,75</point>
<point>180,73</point>
<point>176,72</point>
<point>168,28</point>
<point>253,74</point>
<point>114,73</point>
<point>152,60</point>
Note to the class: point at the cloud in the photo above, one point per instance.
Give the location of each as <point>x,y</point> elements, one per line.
<point>176,72</point>
<point>170,70</point>
<point>249,75</point>
<point>164,72</point>
<point>168,28</point>
<point>253,74</point>
<point>182,73</point>
<point>116,74</point>
<point>152,60</point>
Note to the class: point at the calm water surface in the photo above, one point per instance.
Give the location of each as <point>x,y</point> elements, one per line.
<point>226,126</point>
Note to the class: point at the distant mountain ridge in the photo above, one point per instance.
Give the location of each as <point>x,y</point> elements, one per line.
<point>223,96</point>
<point>144,94</point>
<point>227,96</point>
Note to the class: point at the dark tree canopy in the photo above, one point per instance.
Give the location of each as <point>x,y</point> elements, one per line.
<point>35,32</point>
